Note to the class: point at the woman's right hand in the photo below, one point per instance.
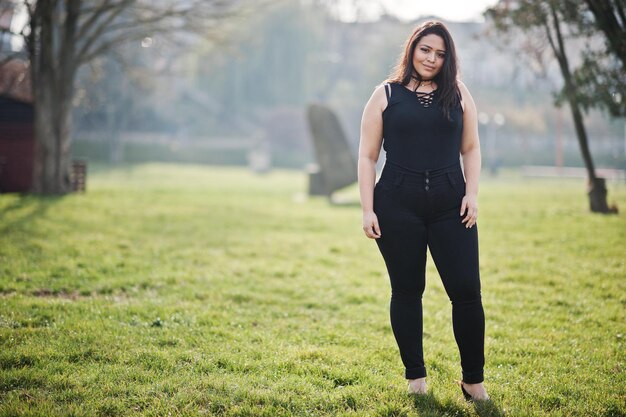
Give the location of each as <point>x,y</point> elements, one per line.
<point>370,225</point>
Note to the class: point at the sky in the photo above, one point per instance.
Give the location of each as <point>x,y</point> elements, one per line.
<point>454,10</point>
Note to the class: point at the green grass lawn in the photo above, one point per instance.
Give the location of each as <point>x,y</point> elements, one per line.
<point>183,290</point>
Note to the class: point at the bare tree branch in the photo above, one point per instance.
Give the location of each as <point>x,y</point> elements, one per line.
<point>99,30</point>
<point>110,45</point>
<point>148,20</point>
<point>97,13</point>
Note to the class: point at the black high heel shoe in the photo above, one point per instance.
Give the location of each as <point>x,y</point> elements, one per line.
<point>468,397</point>
<point>466,394</point>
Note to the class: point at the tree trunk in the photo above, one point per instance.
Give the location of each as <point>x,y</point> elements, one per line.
<point>51,167</point>
<point>117,121</point>
<point>52,48</point>
<point>596,186</point>
<point>116,145</point>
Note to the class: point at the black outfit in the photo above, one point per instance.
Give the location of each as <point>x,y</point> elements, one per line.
<point>417,201</point>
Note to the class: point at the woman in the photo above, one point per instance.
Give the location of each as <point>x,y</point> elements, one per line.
<point>423,199</point>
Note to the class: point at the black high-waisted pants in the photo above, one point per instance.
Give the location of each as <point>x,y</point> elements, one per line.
<point>416,210</point>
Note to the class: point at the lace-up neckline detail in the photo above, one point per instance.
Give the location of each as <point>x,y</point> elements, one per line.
<point>426,99</point>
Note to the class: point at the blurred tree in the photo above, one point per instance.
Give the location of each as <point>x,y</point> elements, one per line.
<point>62,35</point>
<point>610,18</point>
<point>290,57</point>
<point>117,92</point>
<point>590,84</point>
<point>111,93</point>
<point>602,75</point>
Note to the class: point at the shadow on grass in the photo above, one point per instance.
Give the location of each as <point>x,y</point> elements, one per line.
<point>429,405</point>
<point>488,409</point>
<point>24,209</point>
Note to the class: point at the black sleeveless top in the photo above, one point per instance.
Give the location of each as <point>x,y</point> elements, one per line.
<point>417,136</point>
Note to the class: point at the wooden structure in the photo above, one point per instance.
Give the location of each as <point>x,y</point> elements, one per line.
<point>17,135</point>
<point>17,145</point>
<point>79,175</point>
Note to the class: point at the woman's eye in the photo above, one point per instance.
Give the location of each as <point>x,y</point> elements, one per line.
<point>441,55</point>
<point>424,49</point>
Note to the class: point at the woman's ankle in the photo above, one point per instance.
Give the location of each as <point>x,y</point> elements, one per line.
<point>417,386</point>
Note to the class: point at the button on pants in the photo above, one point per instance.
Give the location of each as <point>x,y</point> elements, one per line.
<point>416,211</point>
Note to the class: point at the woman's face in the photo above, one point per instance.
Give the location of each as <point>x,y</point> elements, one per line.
<point>429,56</point>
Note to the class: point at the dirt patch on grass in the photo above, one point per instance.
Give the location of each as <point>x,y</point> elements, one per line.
<point>64,294</point>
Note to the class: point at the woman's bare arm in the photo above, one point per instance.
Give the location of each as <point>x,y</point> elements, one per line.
<point>369,149</point>
<point>470,152</point>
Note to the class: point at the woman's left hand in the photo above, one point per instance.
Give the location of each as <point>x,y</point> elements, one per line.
<point>469,208</point>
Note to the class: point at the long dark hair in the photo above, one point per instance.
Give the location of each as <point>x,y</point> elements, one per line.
<point>446,79</point>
